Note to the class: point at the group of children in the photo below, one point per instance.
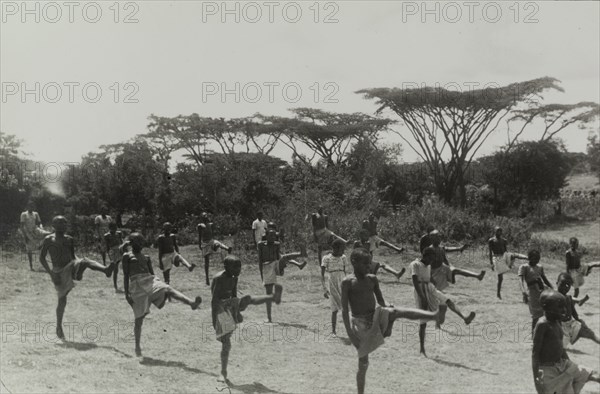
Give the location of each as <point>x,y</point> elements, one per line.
<point>367,318</point>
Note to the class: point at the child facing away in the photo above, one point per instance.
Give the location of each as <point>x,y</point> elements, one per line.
<point>168,253</point>
<point>573,327</point>
<point>226,306</point>
<point>114,241</point>
<point>334,264</point>
<point>575,267</point>
<point>430,298</point>
<point>143,288</point>
<point>272,263</point>
<point>532,284</point>
<point>66,267</point>
<point>553,371</point>
<point>372,319</point>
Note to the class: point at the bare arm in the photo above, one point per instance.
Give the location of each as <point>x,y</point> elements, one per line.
<point>175,246</point>
<point>419,290</point>
<point>346,315</point>
<point>43,253</point>
<point>546,281</point>
<point>377,290</point>
<point>126,275</point>
<point>538,342</point>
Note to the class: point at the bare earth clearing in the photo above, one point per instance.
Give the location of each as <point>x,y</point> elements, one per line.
<point>296,355</point>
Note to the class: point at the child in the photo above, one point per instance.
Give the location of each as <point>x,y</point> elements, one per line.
<point>101,223</point>
<point>441,270</point>
<point>553,372</point>
<point>375,266</point>
<point>114,241</point>
<point>370,323</point>
<point>208,245</point>
<point>573,327</point>
<point>66,267</point>
<point>32,231</point>
<point>322,234</point>
<point>500,260</point>
<point>272,264</point>
<point>428,297</point>
<point>575,268</point>
<point>532,284</point>
<point>334,264</point>
<point>259,228</point>
<point>168,253</point>
<point>371,225</point>
<point>143,288</point>
<point>226,306</point>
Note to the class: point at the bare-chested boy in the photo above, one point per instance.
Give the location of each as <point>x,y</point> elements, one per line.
<point>375,266</point>
<point>428,297</point>
<point>208,245</point>
<point>500,260</point>
<point>226,306</point>
<point>371,322</point>
<point>374,240</point>
<point>66,267</point>
<point>575,267</point>
<point>322,234</point>
<point>573,327</point>
<point>441,270</point>
<point>272,263</point>
<point>101,223</point>
<point>553,372</point>
<point>143,288</point>
<point>168,253</point>
<point>114,244</point>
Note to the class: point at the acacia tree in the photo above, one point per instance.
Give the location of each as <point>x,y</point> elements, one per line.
<point>556,118</point>
<point>328,135</point>
<point>447,128</point>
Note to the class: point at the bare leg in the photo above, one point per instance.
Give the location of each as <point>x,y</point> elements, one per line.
<point>594,377</point>
<point>576,293</point>
<point>593,264</point>
<point>206,267</point>
<point>500,278</point>
<point>269,289</point>
<point>167,276</point>
<point>361,375</point>
<point>115,275</point>
<point>30,257</point>
<point>225,349</point>
<point>583,300</point>
<point>586,332</point>
<point>297,264</point>
<point>393,247</point>
<point>137,332</point>
<point>183,298</point>
<point>392,271</point>
<point>179,258</point>
<point>275,297</point>
<point>469,274</point>
<point>319,255</point>
<point>422,329</point>
<point>410,314</point>
<point>333,322</point>
<point>453,308</point>
<point>95,266</point>
<point>60,312</point>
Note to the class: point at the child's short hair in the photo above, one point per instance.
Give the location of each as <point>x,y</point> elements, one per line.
<point>59,218</point>
<point>428,251</point>
<point>551,300</point>
<point>357,244</point>
<point>565,277</point>
<point>166,224</point>
<point>533,253</point>
<point>338,244</point>
<point>573,239</point>
<point>231,259</point>
<point>359,255</point>
<point>137,238</point>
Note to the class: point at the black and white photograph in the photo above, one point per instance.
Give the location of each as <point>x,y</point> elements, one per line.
<point>305,196</point>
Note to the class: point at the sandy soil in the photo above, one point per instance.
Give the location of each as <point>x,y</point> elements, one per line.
<point>296,355</point>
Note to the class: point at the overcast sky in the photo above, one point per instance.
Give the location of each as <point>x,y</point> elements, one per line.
<point>175,52</point>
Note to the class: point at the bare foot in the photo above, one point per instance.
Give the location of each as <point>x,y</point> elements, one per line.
<point>499,296</point>
<point>584,299</point>
<point>481,275</point>
<point>60,333</point>
<point>301,266</point>
<point>191,267</point>
<point>422,352</point>
<point>138,352</point>
<point>109,270</point>
<point>470,318</point>
<point>196,303</point>
<point>222,378</point>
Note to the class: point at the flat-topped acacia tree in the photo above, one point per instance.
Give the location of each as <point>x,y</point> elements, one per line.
<point>449,127</point>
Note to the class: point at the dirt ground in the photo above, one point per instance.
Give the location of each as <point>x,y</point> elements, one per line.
<point>295,355</point>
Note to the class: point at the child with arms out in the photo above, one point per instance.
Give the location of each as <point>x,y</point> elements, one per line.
<point>573,327</point>
<point>114,242</point>
<point>532,283</point>
<point>168,253</point>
